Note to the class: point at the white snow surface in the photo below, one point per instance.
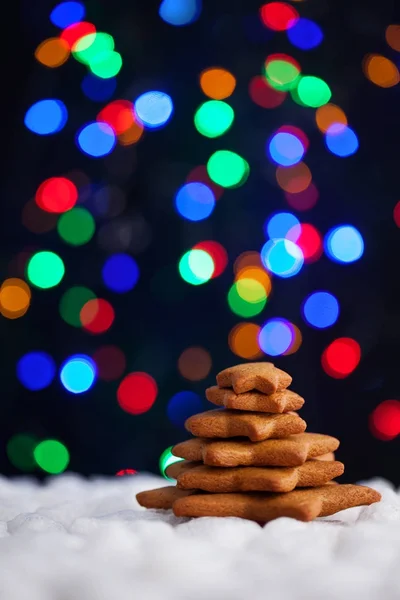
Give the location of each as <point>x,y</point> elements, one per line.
<point>79,539</point>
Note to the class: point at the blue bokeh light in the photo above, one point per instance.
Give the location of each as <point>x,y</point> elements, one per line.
<point>78,373</point>
<point>98,89</point>
<point>36,370</point>
<point>279,225</point>
<point>321,310</point>
<point>67,13</point>
<point>275,337</point>
<point>282,257</point>
<point>46,116</point>
<point>96,139</point>
<point>154,109</point>
<point>305,34</point>
<point>180,12</point>
<point>120,273</point>
<point>341,140</point>
<point>344,244</point>
<point>182,406</point>
<point>286,149</point>
<point>195,201</point>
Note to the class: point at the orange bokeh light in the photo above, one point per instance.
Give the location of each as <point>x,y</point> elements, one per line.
<point>194,363</point>
<point>131,135</point>
<point>258,274</point>
<point>329,114</point>
<point>297,340</point>
<point>15,298</point>
<point>217,83</point>
<point>294,179</point>
<point>380,70</point>
<point>243,340</point>
<point>52,52</point>
<point>392,36</point>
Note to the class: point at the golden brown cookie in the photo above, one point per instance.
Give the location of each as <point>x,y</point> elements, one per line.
<point>279,402</point>
<point>261,376</point>
<point>195,476</point>
<point>161,497</point>
<point>325,457</point>
<point>304,505</point>
<point>223,423</point>
<point>290,452</point>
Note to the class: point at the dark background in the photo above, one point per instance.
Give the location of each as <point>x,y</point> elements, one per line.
<point>163,315</point>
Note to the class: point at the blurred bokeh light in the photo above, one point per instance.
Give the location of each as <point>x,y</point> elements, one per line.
<point>78,374</point>
<point>192,186</point>
<point>137,393</point>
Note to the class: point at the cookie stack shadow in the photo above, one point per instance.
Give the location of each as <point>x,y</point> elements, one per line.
<point>251,458</point>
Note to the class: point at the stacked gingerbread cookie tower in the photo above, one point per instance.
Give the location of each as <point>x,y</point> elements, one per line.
<point>252,458</point>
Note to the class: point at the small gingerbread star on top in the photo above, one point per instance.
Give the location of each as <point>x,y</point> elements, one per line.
<point>261,376</point>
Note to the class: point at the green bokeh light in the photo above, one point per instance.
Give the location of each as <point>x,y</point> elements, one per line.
<point>76,227</point>
<point>51,456</point>
<point>250,290</point>
<point>72,303</point>
<point>20,451</point>
<point>213,118</point>
<point>167,459</point>
<point>296,98</point>
<point>106,64</point>
<point>227,168</point>
<point>196,267</point>
<point>242,307</point>
<point>282,75</point>
<point>313,91</point>
<point>45,269</point>
<point>88,47</point>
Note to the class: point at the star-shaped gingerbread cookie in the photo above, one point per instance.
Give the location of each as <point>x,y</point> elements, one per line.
<point>195,476</point>
<point>302,504</point>
<point>261,376</point>
<point>256,426</point>
<point>289,452</point>
<point>279,402</point>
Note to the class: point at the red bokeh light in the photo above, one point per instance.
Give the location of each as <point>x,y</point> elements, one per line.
<point>119,115</point>
<point>341,358</point>
<point>76,31</point>
<point>279,16</point>
<point>303,200</point>
<point>97,315</point>
<point>56,195</point>
<point>124,472</point>
<point>385,420</point>
<point>200,174</point>
<point>396,214</point>
<point>296,132</point>
<point>263,94</point>
<point>217,253</point>
<point>110,362</point>
<point>309,240</point>
<point>137,393</point>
